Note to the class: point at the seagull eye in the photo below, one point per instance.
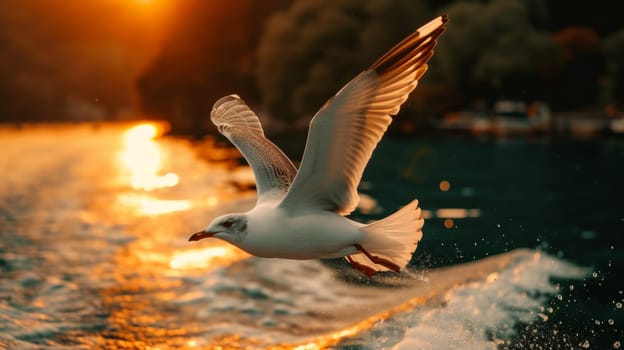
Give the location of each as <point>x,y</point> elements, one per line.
<point>228,224</point>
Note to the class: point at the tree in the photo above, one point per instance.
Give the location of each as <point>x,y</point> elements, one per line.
<point>492,49</point>
<point>613,47</point>
<point>583,65</point>
<point>314,47</point>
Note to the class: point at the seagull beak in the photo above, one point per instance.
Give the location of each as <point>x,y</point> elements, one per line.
<point>201,235</point>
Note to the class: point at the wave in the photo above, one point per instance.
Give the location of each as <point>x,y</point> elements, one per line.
<point>307,304</point>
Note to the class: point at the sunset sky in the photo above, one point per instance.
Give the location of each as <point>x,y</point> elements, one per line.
<point>90,52</point>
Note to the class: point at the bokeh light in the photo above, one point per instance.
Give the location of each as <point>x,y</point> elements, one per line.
<point>445,185</point>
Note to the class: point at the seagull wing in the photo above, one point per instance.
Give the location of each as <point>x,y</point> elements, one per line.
<point>346,130</point>
<point>271,167</point>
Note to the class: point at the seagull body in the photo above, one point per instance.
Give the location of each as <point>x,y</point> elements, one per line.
<point>300,214</point>
<point>316,235</point>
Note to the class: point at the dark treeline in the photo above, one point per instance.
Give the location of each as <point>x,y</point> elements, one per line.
<point>287,58</point>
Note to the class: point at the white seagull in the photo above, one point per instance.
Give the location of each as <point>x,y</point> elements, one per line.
<point>301,214</point>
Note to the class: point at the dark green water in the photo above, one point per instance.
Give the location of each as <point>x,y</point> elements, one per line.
<point>561,196</point>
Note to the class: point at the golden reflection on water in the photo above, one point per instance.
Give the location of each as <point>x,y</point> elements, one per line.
<point>449,215</point>
<point>205,257</point>
<point>143,159</point>
<point>458,213</point>
<point>147,205</point>
<point>142,299</point>
<point>331,339</point>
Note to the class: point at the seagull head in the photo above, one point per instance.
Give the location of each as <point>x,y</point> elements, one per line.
<point>231,228</point>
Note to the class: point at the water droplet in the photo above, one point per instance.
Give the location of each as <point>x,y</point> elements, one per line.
<point>617,344</point>
<point>618,305</point>
<point>559,296</point>
<point>611,322</point>
<point>594,274</point>
<point>571,287</point>
<point>585,345</point>
<point>597,322</point>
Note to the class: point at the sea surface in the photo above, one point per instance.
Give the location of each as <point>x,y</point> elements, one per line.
<point>522,248</point>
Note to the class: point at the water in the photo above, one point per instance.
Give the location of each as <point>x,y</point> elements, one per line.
<point>522,248</point>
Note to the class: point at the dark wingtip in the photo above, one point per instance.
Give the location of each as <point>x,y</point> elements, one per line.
<point>412,44</point>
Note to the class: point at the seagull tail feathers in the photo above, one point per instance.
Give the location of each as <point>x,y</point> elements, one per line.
<point>393,238</point>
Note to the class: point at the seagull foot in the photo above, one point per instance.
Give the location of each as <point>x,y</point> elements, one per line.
<point>368,271</point>
<point>377,260</point>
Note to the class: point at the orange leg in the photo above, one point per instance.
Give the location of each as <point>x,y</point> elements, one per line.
<point>368,271</point>
<point>377,260</point>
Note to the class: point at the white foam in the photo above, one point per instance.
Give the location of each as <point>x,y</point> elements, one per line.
<point>484,314</point>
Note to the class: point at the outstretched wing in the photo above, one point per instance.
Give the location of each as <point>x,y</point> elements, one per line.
<point>272,169</point>
<point>346,130</point>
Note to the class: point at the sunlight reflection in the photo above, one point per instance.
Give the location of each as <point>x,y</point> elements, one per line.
<point>492,277</point>
<point>451,213</point>
<point>458,213</point>
<point>205,257</point>
<point>147,205</point>
<point>328,340</point>
<point>142,157</point>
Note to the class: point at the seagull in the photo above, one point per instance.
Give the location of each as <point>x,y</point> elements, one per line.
<point>302,214</point>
